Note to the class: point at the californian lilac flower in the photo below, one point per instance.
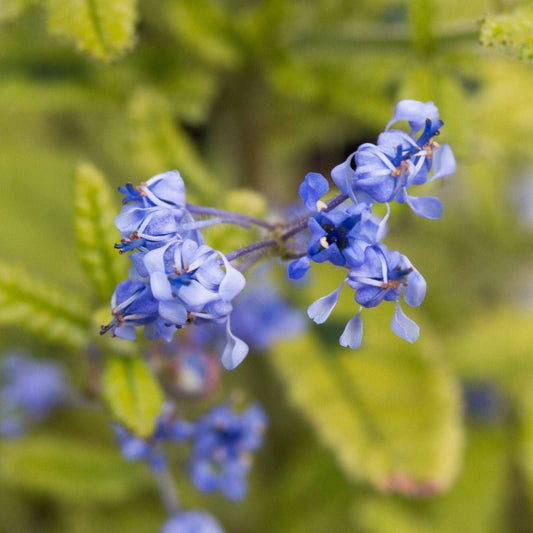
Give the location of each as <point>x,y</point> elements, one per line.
<point>154,213</point>
<point>340,235</point>
<point>385,171</point>
<point>261,317</point>
<point>194,283</point>
<point>168,428</point>
<point>383,276</point>
<point>29,391</point>
<point>222,446</point>
<point>192,522</point>
<point>133,304</point>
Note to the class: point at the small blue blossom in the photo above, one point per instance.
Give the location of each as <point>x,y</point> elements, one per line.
<point>192,522</point>
<point>385,171</point>
<point>29,391</point>
<point>221,451</point>
<point>340,235</point>
<point>261,317</point>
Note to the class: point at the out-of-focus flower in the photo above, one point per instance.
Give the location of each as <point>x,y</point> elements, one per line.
<point>192,522</point>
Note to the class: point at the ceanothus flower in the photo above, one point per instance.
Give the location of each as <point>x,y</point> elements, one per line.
<point>385,171</point>
<point>154,213</point>
<point>191,282</point>
<point>192,522</point>
<point>383,276</point>
<point>339,236</point>
<point>221,451</point>
<point>29,391</point>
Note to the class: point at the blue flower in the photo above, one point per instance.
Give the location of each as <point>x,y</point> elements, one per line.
<point>340,235</point>
<point>221,452</point>
<point>29,391</point>
<point>385,171</point>
<point>194,283</point>
<point>261,317</point>
<point>192,522</point>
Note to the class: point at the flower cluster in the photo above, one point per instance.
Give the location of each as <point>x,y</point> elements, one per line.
<point>29,391</point>
<point>177,280</point>
<point>350,235</point>
<point>222,441</point>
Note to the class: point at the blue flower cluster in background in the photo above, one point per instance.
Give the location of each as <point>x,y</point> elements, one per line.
<point>350,237</point>
<point>29,391</point>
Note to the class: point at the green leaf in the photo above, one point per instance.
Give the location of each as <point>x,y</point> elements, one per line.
<point>68,470</point>
<point>511,31</point>
<point>476,504</point>
<point>159,144</point>
<point>103,28</point>
<point>484,348</point>
<point>389,412</point>
<point>96,232</point>
<point>42,309</point>
<point>132,394</point>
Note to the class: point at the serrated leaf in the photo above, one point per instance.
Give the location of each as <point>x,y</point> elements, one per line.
<point>511,31</point>
<point>476,504</point>
<point>67,470</point>
<point>132,393</point>
<point>159,144</point>
<point>390,414</point>
<point>104,29</point>
<point>94,215</point>
<point>41,309</point>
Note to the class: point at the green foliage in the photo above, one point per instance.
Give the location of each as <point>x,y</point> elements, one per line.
<point>67,470</point>
<point>105,29</point>
<point>132,394</point>
<point>512,32</point>
<point>474,505</point>
<point>10,9</point>
<point>41,309</point>
<point>159,144</point>
<point>390,414</point>
<point>95,212</point>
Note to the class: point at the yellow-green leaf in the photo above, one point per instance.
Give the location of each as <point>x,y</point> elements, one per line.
<point>389,412</point>
<point>103,28</point>
<point>132,393</point>
<point>67,470</point>
<point>95,212</point>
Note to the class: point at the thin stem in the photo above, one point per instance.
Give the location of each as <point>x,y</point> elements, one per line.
<point>167,490</point>
<point>251,248</point>
<point>211,211</point>
<point>301,223</point>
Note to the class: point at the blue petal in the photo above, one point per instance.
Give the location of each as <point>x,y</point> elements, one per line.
<point>312,189</point>
<point>343,175</point>
<point>173,312</point>
<point>298,269</point>
<point>403,326</point>
<point>125,332</point>
<point>426,206</point>
<point>195,295</point>
<point>160,286</point>
<point>234,351</point>
<point>169,187</point>
<point>415,113</point>
<point>353,333</point>
<point>233,282</point>
<point>155,259</point>
<point>415,291</point>
<point>320,310</point>
<point>443,162</point>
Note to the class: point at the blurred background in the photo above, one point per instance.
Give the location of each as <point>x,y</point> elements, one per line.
<point>431,437</point>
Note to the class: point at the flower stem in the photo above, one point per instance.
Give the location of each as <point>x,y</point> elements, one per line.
<point>251,248</point>
<point>228,215</point>
<point>167,490</point>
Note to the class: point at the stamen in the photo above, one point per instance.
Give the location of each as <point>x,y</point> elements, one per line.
<point>320,205</point>
<point>324,242</point>
<point>404,166</point>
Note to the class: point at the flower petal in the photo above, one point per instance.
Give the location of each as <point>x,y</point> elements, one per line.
<point>415,113</point>
<point>353,333</point>
<point>173,312</point>
<point>443,162</point>
<point>160,286</point>
<point>426,206</point>
<point>415,291</point>
<point>233,281</point>
<point>298,269</point>
<point>312,189</point>
<point>234,351</point>
<point>320,310</point>
<point>403,326</point>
